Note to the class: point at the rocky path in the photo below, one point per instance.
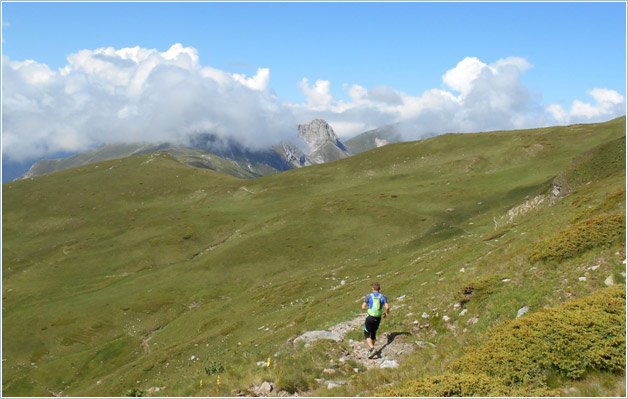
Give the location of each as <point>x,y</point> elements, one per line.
<point>390,346</point>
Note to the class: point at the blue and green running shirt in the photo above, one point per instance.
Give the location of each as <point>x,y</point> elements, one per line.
<point>369,300</point>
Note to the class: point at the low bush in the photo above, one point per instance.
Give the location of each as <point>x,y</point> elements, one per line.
<point>214,368</point>
<point>450,384</point>
<point>598,231</point>
<point>588,333</point>
<point>520,356</point>
<point>480,287</point>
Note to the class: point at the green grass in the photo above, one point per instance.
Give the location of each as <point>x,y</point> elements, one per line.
<point>116,274</point>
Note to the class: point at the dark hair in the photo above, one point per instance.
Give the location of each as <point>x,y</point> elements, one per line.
<point>375,286</point>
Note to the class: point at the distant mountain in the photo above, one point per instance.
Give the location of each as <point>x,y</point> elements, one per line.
<point>324,144</point>
<point>372,139</point>
<point>224,155</point>
<point>196,157</point>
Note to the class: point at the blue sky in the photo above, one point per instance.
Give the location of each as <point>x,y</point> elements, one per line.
<point>573,46</point>
<point>375,63</point>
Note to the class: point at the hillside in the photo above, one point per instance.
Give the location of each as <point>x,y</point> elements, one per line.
<point>373,139</point>
<point>142,275</point>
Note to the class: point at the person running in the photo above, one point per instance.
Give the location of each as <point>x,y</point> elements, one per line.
<point>374,302</point>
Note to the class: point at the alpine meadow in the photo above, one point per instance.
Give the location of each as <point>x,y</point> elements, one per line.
<point>502,255</point>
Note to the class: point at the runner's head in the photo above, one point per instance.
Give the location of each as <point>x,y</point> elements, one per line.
<point>375,287</point>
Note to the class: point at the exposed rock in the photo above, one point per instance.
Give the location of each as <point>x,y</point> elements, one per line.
<point>265,389</point>
<point>312,336</point>
<point>294,156</point>
<point>324,144</point>
<point>463,312</point>
<point>389,364</point>
<point>450,209</point>
<point>582,278</point>
<point>425,315</point>
<point>329,371</point>
<point>473,320</point>
<point>523,311</point>
<point>610,280</point>
<point>334,384</point>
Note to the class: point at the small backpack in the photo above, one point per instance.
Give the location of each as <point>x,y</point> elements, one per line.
<point>376,309</point>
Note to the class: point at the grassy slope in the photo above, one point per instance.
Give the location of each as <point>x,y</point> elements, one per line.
<point>99,258</point>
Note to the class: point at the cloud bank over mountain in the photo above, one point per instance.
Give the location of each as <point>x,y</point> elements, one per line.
<point>134,94</point>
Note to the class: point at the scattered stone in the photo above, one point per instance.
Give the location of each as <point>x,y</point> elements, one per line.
<point>265,389</point>
<point>462,270</point>
<point>155,389</point>
<point>523,311</point>
<point>506,280</point>
<point>401,298</point>
<point>594,267</point>
<point>389,364</point>
<point>457,305</point>
<point>261,363</point>
<point>623,274</point>
<point>192,357</point>
<point>416,322</point>
<point>473,320</point>
<point>463,312</point>
<point>329,371</point>
<point>334,384</point>
<point>439,273</point>
<point>425,315</point>
<point>356,370</point>
<point>610,280</point>
<point>312,336</point>
<point>343,282</point>
<point>582,278</point>
<point>446,318</point>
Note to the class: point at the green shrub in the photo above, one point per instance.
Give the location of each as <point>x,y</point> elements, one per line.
<point>588,333</point>
<point>135,393</point>
<point>480,287</point>
<point>214,368</point>
<point>520,356</point>
<point>612,201</point>
<point>450,384</point>
<point>598,231</point>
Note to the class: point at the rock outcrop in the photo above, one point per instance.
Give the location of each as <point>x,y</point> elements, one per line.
<point>324,144</point>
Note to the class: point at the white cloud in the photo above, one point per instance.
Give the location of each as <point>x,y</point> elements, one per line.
<point>609,104</point>
<point>462,76</point>
<point>479,97</point>
<point>318,96</point>
<point>258,82</point>
<point>134,94</point>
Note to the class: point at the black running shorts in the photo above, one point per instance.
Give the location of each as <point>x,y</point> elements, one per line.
<point>370,327</point>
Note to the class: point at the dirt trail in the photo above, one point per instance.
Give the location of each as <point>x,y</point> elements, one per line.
<point>390,346</point>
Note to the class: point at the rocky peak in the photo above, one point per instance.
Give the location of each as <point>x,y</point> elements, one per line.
<point>317,133</point>
<point>324,144</point>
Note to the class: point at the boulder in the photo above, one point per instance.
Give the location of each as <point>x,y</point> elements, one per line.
<point>523,311</point>
<point>389,364</point>
<point>312,336</point>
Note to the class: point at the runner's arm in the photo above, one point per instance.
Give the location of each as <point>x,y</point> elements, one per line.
<point>387,309</point>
